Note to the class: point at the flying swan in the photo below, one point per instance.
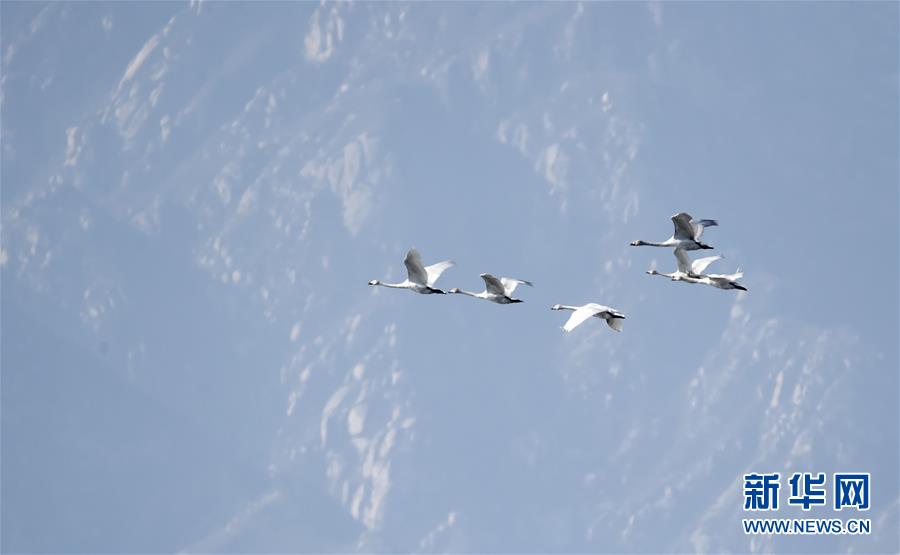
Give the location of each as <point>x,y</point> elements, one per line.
<point>692,272</point>
<point>686,267</point>
<point>720,281</point>
<point>496,290</point>
<point>419,278</point>
<point>612,316</point>
<point>687,234</point>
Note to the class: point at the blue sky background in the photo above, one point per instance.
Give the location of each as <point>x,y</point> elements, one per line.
<point>195,195</point>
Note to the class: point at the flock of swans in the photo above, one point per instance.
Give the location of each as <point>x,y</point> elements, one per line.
<point>421,279</point>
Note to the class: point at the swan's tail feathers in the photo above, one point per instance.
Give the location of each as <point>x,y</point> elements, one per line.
<point>616,323</point>
<point>708,223</point>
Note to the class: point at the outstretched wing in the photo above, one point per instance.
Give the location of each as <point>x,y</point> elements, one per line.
<point>614,312</point>
<point>730,277</point>
<point>701,264</point>
<point>414,270</point>
<point>493,285</point>
<point>510,284</point>
<point>684,261</point>
<point>616,323</point>
<point>683,228</point>
<point>582,314</point>
<point>698,227</point>
<point>435,270</point>
<point>687,229</point>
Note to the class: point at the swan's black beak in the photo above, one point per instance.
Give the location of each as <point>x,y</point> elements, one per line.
<point>741,287</point>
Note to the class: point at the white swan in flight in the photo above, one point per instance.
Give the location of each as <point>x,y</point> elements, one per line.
<point>612,316</point>
<point>720,281</point>
<point>692,272</point>
<point>496,290</point>
<point>687,234</point>
<point>686,267</point>
<point>419,278</point>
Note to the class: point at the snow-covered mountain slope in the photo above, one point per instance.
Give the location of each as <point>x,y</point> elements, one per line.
<point>194,198</point>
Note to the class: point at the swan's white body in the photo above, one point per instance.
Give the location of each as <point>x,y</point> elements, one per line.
<point>721,281</point>
<point>687,234</point>
<point>612,316</point>
<point>419,278</point>
<point>692,272</point>
<point>496,290</point>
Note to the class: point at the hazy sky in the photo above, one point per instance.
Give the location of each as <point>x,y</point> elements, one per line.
<point>195,195</point>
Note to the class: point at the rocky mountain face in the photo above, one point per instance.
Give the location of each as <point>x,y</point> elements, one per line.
<point>195,197</point>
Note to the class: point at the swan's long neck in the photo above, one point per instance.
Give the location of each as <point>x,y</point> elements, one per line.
<point>403,285</point>
<point>567,307</point>
<point>652,244</point>
<point>469,293</point>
